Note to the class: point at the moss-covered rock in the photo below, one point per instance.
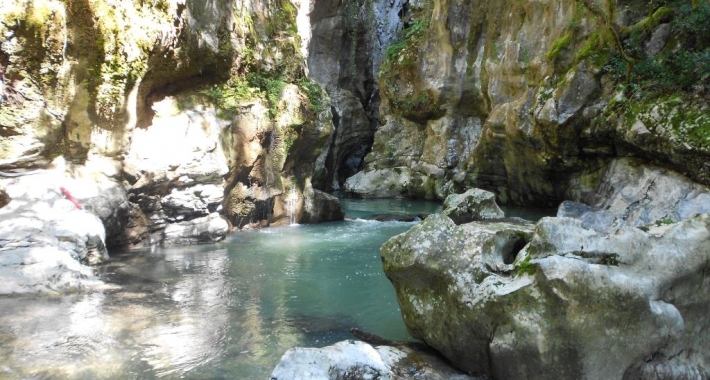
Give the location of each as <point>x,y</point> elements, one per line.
<point>551,104</point>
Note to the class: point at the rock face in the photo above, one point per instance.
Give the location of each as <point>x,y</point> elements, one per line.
<point>590,298</point>
<point>358,360</point>
<point>203,108</point>
<point>340,60</point>
<point>190,117</point>
<point>478,94</point>
<point>177,165</point>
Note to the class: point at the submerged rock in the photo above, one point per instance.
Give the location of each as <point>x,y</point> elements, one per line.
<point>359,360</point>
<point>574,303</point>
<point>398,217</point>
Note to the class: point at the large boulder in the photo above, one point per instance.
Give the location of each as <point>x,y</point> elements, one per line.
<point>46,242</point>
<point>474,204</point>
<point>208,229</point>
<point>642,194</point>
<point>440,271</point>
<point>321,207</point>
<point>575,303</point>
<point>386,183</point>
<point>359,360</point>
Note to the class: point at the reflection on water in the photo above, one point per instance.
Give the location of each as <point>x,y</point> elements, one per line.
<point>227,310</point>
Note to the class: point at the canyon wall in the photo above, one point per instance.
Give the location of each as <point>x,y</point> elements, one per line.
<point>204,107</point>
<point>531,99</point>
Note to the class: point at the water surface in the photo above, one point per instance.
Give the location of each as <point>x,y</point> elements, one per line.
<point>228,310</point>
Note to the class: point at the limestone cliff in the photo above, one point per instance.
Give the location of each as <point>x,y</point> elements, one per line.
<point>204,106</point>
<point>531,98</point>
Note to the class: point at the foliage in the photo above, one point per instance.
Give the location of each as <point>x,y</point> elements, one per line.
<point>525,267</point>
<point>238,89</point>
<point>315,93</point>
<point>686,68</point>
<point>399,66</point>
<point>664,221</point>
<point>229,95</point>
<point>271,89</point>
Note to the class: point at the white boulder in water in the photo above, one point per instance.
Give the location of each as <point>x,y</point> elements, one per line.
<point>359,360</point>
<point>46,242</point>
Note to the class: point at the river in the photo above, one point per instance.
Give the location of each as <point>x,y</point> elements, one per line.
<point>220,311</point>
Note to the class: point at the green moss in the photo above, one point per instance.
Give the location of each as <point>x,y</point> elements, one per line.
<point>559,45</point>
<point>577,17</point>
<point>282,21</point>
<point>230,95</point>
<point>647,24</point>
<point>316,95</point>
<point>239,89</point>
<point>401,55</point>
<point>595,50</point>
<point>664,221</point>
<point>525,267</point>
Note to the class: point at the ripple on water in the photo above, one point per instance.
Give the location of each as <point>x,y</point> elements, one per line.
<point>227,310</point>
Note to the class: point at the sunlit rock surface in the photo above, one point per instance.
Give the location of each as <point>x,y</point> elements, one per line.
<point>386,183</point>
<point>582,300</point>
<point>359,360</point>
<point>176,166</point>
<point>208,229</point>
<point>191,102</point>
<point>640,194</point>
<point>475,204</point>
<point>46,242</point>
<point>517,98</point>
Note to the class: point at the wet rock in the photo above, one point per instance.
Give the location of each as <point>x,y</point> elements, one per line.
<point>474,204</point>
<point>359,360</point>
<point>208,229</point>
<point>321,207</point>
<point>573,303</point>
<point>398,217</point>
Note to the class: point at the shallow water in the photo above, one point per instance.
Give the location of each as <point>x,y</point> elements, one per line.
<point>228,310</point>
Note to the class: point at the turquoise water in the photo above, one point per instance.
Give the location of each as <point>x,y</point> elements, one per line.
<point>228,310</point>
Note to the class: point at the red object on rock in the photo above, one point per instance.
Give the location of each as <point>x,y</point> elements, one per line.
<point>71,198</point>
